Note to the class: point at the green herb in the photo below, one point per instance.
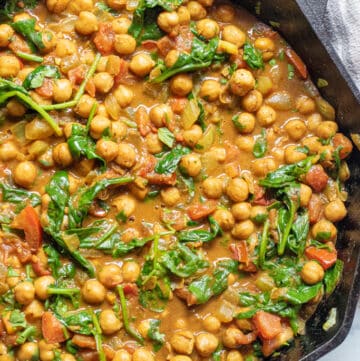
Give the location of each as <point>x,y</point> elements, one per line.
<point>97,335</point>
<point>291,71</point>
<point>331,320</point>
<point>300,231</point>
<point>274,24</point>
<point>202,55</point>
<point>332,276</point>
<point>12,273</point>
<point>19,196</point>
<point>10,7</point>
<point>304,150</point>
<point>23,336</point>
<point>302,294</point>
<point>260,145</point>
<point>166,137</point>
<point>188,182</point>
<point>253,57</point>
<point>235,120</point>
<point>17,319</point>
<point>36,78</point>
<point>103,7</point>
<point>29,57</point>
<point>264,243</point>
<point>27,29</point>
<point>322,83</point>
<point>323,236</point>
<point>217,355</point>
<point>272,62</point>
<point>169,162</point>
<point>201,235</point>
<point>155,335</point>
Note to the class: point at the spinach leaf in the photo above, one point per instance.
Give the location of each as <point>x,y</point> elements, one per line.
<point>27,29</point>
<point>201,235</point>
<point>7,86</point>
<point>17,319</point>
<point>300,231</point>
<point>30,331</point>
<point>122,248</point>
<point>260,145</point>
<point>79,322</point>
<point>36,78</point>
<point>155,335</point>
<point>19,196</point>
<point>332,276</point>
<point>166,137</point>
<point>201,289</point>
<point>287,174</point>
<point>302,294</point>
<point>169,162</point>
<point>81,144</point>
<point>253,57</point>
<point>9,7</point>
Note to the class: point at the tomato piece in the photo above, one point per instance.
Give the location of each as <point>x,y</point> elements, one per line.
<point>104,38</point>
<point>28,220</point>
<point>297,62</point>
<point>84,341</point>
<point>178,104</point>
<point>165,44</point>
<point>340,140</point>
<point>40,269</point>
<point>52,329</point>
<point>240,252</point>
<point>77,75</point>
<point>46,90</point>
<point>143,121</point>
<point>316,178</point>
<point>90,87</point>
<point>325,257</point>
<point>316,208</point>
<point>271,345</point>
<point>201,210</point>
<point>130,289</point>
<point>162,179</point>
<point>267,324</point>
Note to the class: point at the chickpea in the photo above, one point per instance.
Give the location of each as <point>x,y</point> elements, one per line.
<point>107,149</point>
<point>129,234</point>
<point>182,342</point>
<point>153,143</point>
<point>335,210</point>
<point>191,164</point>
<point>184,15</point>
<point>62,90</point>
<point>192,135</point>
<point>9,66</point>
<point>110,275</point>
<point>305,105</point>
<point>47,350</point>
<point>65,47</point>
<point>6,32</point>
<point>324,230</point>
<point>312,273</point>
<point>263,166</point>
<point>241,82</point>
<point>234,35</point>
<point>24,292</point>
<point>237,190</point>
<point>241,211</point>
<point>231,336</point>
<point>57,6</point>
<point>28,351</point>
<point>258,214</point>
<point>208,28</point>
<point>98,125</point>
<point>41,285</point>
<point>93,292</point>
<point>25,174</point>
<point>210,90</point>
<point>86,23</point>
<point>122,355</point>
<point>34,310</point>
<point>293,155</point>
<point>67,357</point>
<point>206,343</point>
<point>266,116</point>
<point>126,155</point>
<point>245,143</point>
<point>313,144</point>
<point>234,356</point>
<point>142,354</point>
<point>224,218</point>
<point>161,115</point>
<point>170,196</point>
<point>76,6</point>
<point>305,195</point>
<point>295,128</point>
<point>212,187</point>
<point>244,122</point>
<point>15,108</point>
<point>313,121</point>
<point>8,151</point>
<point>123,95</point>
<point>131,271</point>
<point>171,57</point>
<point>243,230</point>
<point>211,324</point>
<point>116,4</point>
<point>125,204</point>
<point>196,10</point>
<point>124,44</point>
<point>84,106</point>
<point>266,46</point>
<point>62,155</point>
<point>252,101</point>
<point>118,130</point>
<point>180,358</point>
<point>144,328</point>
<point>181,84</point>
<point>109,323</point>
<point>103,82</point>
<point>141,64</point>
<point>121,25</point>
<point>326,129</point>
<point>168,21</point>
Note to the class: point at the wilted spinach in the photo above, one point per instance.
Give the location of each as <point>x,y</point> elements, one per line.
<point>36,78</point>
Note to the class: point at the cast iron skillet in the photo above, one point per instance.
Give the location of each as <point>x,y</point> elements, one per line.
<point>303,26</point>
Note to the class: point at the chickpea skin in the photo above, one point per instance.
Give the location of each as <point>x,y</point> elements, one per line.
<point>126,155</point>
<point>93,292</point>
<point>86,23</point>
<point>258,214</point>
<point>312,272</point>
<point>206,343</point>
<point>237,190</point>
<point>62,155</point>
<point>62,90</point>
<point>170,196</point>
<point>212,187</point>
<point>182,342</point>
<point>181,84</point>
<point>210,90</point>
<point>168,21</point>
<point>142,354</point>
<point>211,324</point>
<point>234,35</point>
<point>252,101</point>
<point>296,129</point>
<point>8,151</point>
<point>24,292</point>
<point>245,143</point>
<point>123,95</point>
<point>6,32</point>
<point>57,6</point>
<point>41,285</point>
<point>184,15</point>
<point>67,357</point>
<point>28,351</point>
<point>244,122</point>
<point>98,125</point>
<point>224,218</point>
<point>124,44</point>
<point>109,323</point>
<point>192,135</point>
<point>125,204</point>
<point>243,230</point>
<point>141,64</point>
<point>25,174</point>
<point>131,271</point>
<point>266,116</point>
<point>9,66</point>
<point>121,25</point>
<point>241,82</point>
<point>107,149</point>
<point>191,164</point>
<point>208,28</point>
<point>335,210</point>
<point>110,275</point>
<point>103,82</point>
<point>161,115</point>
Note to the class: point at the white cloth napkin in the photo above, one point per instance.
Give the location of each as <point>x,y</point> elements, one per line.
<point>342,19</point>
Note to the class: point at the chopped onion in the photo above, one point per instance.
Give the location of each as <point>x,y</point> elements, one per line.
<point>325,109</point>
<point>112,106</point>
<point>18,130</point>
<point>264,84</point>
<point>190,114</point>
<point>207,140</point>
<point>280,100</point>
<point>356,139</point>
<point>331,320</point>
<point>225,312</point>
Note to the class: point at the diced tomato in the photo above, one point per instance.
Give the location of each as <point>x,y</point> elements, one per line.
<point>84,341</point>
<point>162,179</point>
<point>175,218</point>
<point>178,104</point>
<point>267,324</point>
<point>130,289</point>
<point>325,257</point>
<point>143,121</point>
<point>28,220</point>
<point>150,45</point>
<point>165,44</point>
<point>184,294</point>
<point>52,329</point>
<point>148,165</point>
<point>123,76</point>
<point>46,90</point>
<point>240,251</point>
<point>104,38</point>
<point>17,43</point>
<point>77,75</point>
<point>238,59</point>
<point>340,140</point>
<point>232,152</point>
<point>201,210</point>
<point>90,87</point>
<point>316,178</point>
<point>297,62</point>
<point>269,346</point>
<point>260,196</point>
<point>40,269</point>
<point>183,41</point>
<point>315,208</point>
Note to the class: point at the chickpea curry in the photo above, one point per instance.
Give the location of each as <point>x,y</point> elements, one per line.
<point>171,180</point>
